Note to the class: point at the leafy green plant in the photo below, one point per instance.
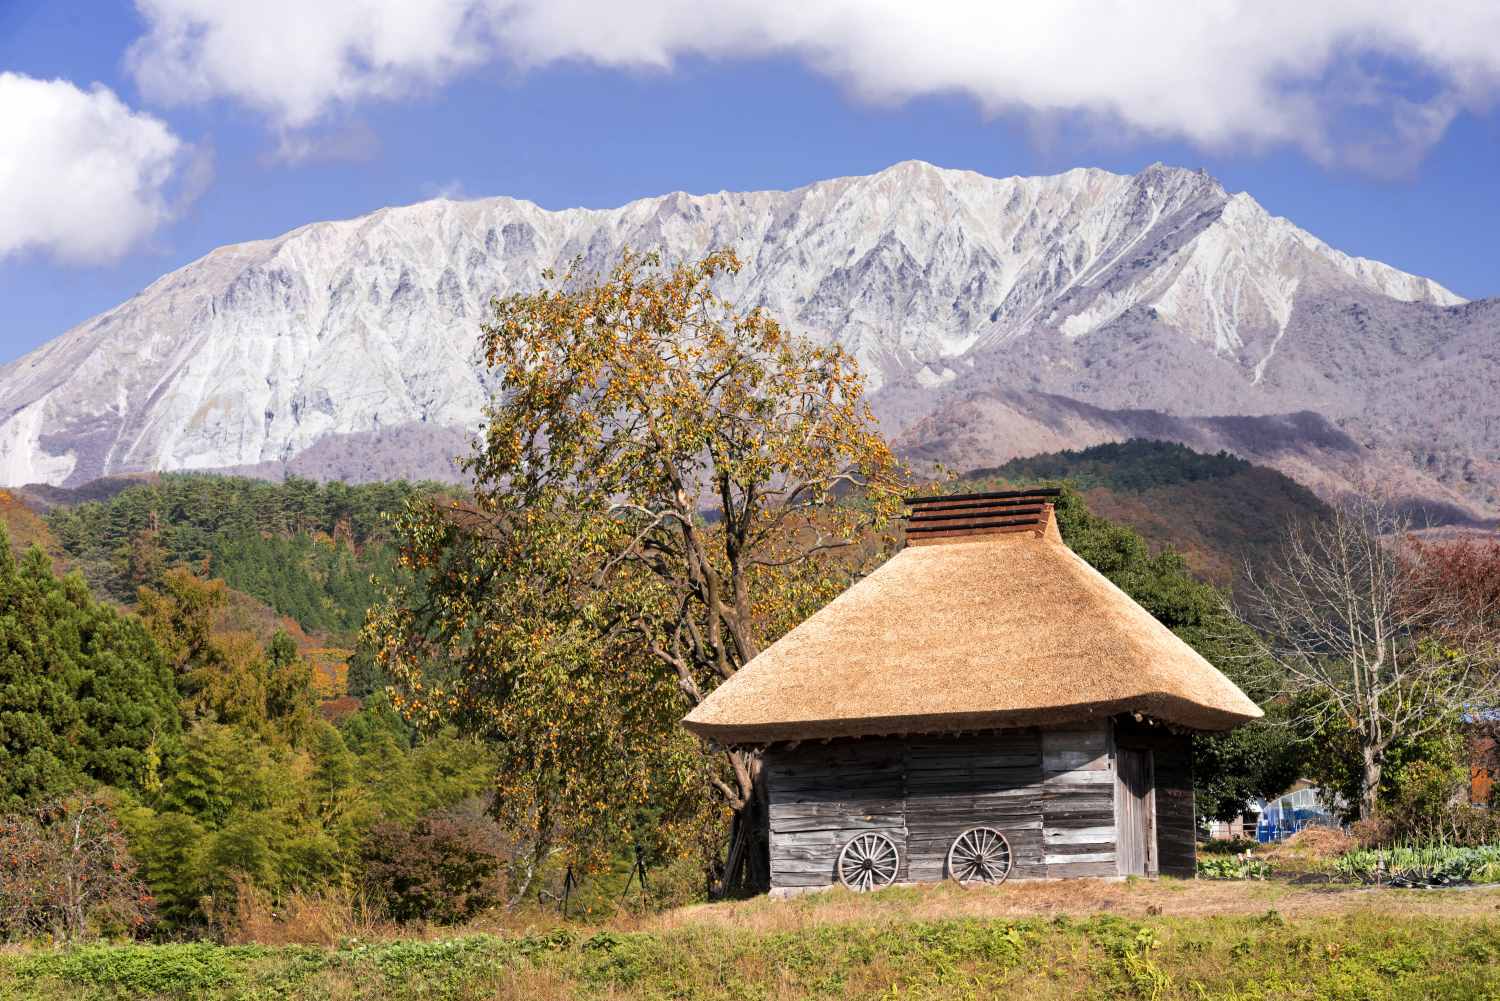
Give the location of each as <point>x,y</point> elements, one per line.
<point>1242,866</point>
<point>1433,864</point>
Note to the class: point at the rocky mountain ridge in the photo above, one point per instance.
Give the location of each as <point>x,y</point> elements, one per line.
<point>1003,307</point>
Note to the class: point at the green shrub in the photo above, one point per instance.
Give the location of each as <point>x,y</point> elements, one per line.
<point>1241,866</point>
<point>1228,846</point>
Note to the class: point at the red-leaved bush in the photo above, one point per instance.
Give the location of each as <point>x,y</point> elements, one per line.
<point>1468,568</point>
<point>65,871</point>
<point>444,868</point>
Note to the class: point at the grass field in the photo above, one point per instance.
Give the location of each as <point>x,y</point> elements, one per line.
<point>1036,941</point>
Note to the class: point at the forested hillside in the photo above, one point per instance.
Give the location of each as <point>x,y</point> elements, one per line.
<point>1218,511</point>
<point>305,549</point>
<point>192,769</point>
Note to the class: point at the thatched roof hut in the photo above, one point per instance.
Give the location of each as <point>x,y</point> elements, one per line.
<point>966,632</point>
<point>987,625</point>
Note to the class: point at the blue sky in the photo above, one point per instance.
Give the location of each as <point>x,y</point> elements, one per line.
<point>212,127</point>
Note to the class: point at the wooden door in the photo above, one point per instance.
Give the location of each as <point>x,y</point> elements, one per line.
<point>1134,812</point>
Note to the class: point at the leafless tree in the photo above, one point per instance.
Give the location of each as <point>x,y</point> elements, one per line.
<point>1351,617</point>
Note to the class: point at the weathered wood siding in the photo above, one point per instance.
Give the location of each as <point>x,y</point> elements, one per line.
<point>1176,815</point>
<point>821,795</point>
<point>1051,792</point>
<point>1078,801</point>
<point>956,783</point>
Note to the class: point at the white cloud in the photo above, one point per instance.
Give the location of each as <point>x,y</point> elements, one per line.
<point>452,190</point>
<point>82,176</point>
<point>352,143</point>
<point>296,59</point>
<point>1213,72</point>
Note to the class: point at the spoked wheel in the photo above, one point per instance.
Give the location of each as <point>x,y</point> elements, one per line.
<point>979,855</point>
<point>868,862</point>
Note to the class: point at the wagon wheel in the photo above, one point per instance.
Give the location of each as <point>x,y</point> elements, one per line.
<point>979,855</point>
<point>868,862</point>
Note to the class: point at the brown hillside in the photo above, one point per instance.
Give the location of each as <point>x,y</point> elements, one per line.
<point>26,528</point>
<point>1221,512</point>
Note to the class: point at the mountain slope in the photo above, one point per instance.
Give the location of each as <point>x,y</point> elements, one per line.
<point>1220,512</point>
<point>1158,291</point>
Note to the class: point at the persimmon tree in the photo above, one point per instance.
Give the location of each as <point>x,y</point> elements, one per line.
<point>665,484</point>
<point>65,870</point>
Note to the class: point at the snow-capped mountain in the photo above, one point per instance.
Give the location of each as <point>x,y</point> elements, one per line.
<point>1157,291</point>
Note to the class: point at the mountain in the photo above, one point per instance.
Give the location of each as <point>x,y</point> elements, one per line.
<point>994,317</point>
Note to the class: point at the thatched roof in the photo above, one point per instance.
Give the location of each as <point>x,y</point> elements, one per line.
<point>985,620</point>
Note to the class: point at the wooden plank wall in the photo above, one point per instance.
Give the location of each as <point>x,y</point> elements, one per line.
<point>1079,801</point>
<point>821,795</point>
<point>1176,815</point>
<point>1051,793</point>
<point>955,783</point>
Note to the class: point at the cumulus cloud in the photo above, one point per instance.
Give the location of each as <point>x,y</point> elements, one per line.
<point>1213,72</point>
<point>296,59</point>
<point>82,176</point>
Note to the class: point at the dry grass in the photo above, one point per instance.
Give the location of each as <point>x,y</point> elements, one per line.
<point>335,917</point>
<point>324,918</point>
<point>332,918</point>
<point>1075,898</point>
<point>1312,850</point>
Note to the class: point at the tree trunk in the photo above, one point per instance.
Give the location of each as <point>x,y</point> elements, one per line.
<point>747,869</point>
<point>1369,789</point>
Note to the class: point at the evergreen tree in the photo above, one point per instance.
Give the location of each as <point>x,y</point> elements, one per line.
<point>307,550</point>
<point>85,694</point>
<point>365,677</point>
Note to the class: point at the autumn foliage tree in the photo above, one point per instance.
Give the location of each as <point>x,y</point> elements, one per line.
<point>226,676</point>
<point>65,871</point>
<point>1375,641</point>
<point>666,484</point>
<point>1468,567</point>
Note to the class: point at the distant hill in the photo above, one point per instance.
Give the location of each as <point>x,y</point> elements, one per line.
<point>301,553</point>
<point>1218,510</point>
<point>301,550</point>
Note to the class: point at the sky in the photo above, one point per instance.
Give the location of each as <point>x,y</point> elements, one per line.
<point>136,137</point>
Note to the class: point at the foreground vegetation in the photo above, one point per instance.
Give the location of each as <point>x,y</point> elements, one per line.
<point>1257,942</point>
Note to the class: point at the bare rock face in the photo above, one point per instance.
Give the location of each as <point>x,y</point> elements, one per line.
<point>1159,292</point>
